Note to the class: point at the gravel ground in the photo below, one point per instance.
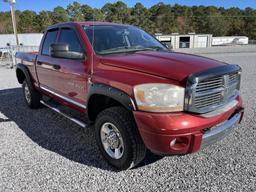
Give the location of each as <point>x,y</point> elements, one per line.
<point>41,151</point>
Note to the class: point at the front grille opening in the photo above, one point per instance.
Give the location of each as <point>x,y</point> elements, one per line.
<point>233,78</point>
<point>210,93</point>
<point>208,99</point>
<point>209,84</point>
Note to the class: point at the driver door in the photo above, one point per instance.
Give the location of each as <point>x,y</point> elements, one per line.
<point>67,78</point>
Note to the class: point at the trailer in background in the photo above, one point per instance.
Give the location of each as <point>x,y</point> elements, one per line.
<point>230,40</point>
<point>190,40</point>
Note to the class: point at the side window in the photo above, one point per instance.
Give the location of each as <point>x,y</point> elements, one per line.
<point>49,39</point>
<point>69,36</point>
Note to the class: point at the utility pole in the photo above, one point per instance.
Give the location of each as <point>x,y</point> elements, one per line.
<point>12,2</point>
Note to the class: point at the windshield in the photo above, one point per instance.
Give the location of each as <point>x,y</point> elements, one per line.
<point>109,39</point>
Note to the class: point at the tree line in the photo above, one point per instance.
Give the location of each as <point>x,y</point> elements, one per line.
<point>160,18</point>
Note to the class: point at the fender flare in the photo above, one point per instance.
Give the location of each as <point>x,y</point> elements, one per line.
<point>114,93</point>
<point>25,71</point>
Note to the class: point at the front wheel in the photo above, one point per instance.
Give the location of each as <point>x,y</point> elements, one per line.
<point>118,138</point>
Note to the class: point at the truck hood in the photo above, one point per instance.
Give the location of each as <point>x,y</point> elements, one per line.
<point>171,65</point>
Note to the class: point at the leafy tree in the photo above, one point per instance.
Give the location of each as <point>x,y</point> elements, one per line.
<point>5,23</point>
<point>45,19</point>
<point>88,13</point>
<point>140,16</point>
<point>75,12</point>
<point>183,15</point>
<point>250,23</point>
<point>164,19</point>
<point>234,17</point>
<point>27,22</point>
<point>59,14</point>
<point>117,12</point>
<point>98,15</point>
<point>217,25</point>
<point>80,12</point>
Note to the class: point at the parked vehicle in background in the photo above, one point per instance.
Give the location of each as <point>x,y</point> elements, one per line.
<point>138,94</point>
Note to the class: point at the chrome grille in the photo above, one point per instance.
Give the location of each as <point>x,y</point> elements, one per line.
<point>209,84</point>
<point>206,100</point>
<point>206,94</point>
<point>233,78</point>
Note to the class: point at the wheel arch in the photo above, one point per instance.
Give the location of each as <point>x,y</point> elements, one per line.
<point>22,73</point>
<point>103,96</point>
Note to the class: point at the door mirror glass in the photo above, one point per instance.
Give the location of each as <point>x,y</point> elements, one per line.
<point>61,50</point>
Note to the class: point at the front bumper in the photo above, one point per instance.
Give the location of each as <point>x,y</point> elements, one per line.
<point>217,133</point>
<point>189,132</point>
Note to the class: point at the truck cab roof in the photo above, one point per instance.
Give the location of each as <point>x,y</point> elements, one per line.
<point>85,23</point>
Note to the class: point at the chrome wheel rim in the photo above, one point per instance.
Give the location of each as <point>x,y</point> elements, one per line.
<point>27,93</point>
<point>112,140</point>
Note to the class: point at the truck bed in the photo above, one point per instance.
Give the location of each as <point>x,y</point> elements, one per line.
<point>27,56</point>
<point>29,60</point>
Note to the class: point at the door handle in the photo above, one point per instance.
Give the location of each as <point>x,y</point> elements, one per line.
<point>57,67</point>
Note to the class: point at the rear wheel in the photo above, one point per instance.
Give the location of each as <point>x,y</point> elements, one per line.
<point>32,97</point>
<point>118,138</point>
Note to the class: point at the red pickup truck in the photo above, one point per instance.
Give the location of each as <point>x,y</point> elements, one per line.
<point>137,93</point>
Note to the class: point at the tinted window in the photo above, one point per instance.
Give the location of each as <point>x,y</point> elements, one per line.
<point>49,39</point>
<point>69,36</point>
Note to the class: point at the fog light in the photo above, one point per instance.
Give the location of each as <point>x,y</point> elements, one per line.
<point>173,142</point>
<point>180,144</point>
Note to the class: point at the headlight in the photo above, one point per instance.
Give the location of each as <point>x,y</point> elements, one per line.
<point>156,97</point>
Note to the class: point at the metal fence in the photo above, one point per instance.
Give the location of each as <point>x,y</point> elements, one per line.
<point>7,54</point>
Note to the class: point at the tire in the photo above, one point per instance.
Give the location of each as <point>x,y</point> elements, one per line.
<point>31,96</point>
<point>133,151</point>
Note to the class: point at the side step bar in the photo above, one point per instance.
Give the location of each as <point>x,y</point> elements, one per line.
<point>63,114</point>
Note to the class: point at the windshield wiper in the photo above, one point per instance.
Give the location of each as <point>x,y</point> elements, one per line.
<point>123,49</point>
<point>156,48</point>
<point>151,48</point>
<point>132,49</point>
<point>116,49</point>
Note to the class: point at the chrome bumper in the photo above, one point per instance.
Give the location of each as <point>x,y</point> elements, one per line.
<point>219,132</point>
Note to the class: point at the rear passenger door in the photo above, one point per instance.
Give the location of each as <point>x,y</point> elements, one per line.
<point>69,80</point>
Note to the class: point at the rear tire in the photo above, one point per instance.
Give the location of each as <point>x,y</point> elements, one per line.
<point>118,129</point>
<point>31,96</point>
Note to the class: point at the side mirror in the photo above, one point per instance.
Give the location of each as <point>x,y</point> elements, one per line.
<point>61,50</point>
<point>168,45</point>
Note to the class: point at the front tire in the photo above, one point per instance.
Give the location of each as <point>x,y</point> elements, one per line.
<point>118,138</point>
<point>32,97</point>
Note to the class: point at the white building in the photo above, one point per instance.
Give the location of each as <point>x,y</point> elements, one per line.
<point>26,39</point>
<point>190,40</point>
